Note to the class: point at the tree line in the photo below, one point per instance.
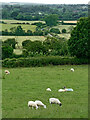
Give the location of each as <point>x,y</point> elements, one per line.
<point>38,12</point>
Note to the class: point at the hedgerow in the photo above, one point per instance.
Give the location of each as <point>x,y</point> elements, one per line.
<point>42,61</point>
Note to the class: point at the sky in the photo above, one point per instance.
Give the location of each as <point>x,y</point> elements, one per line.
<point>50,1</point>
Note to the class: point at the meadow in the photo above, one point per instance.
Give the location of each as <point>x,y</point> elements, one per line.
<point>24,26</point>
<point>25,84</point>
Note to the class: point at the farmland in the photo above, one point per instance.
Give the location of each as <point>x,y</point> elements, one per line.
<point>20,39</point>
<point>26,27</point>
<point>24,84</point>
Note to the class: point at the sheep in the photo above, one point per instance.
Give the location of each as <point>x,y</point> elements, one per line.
<point>72,69</point>
<point>61,90</point>
<point>48,89</point>
<point>32,104</point>
<point>55,101</point>
<point>39,103</point>
<point>7,72</point>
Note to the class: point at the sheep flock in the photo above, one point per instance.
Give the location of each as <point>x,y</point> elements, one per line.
<point>37,103</point>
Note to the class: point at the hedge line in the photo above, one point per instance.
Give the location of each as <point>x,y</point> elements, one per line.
<point>42,61</point>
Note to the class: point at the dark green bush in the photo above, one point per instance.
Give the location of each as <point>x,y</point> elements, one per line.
<point>42,61</point>
<point>55,30</point>
<point>63,30</point>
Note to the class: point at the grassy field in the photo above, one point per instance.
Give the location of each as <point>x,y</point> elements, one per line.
<point>67,27</point>
<point>33,27</point>
<point>20,21</point>
<point>20,39</point>
<point>25,27</point>
<point>74,21</point>
<point>25,84</point>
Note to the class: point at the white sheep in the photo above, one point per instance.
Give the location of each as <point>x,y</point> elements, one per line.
<point>55,101</point>
<point>32,104</point>
<point>39,103</point>
<point>7,72</point>
<point>48,89</point>
<point>61,90</point>
<point>72,69</point>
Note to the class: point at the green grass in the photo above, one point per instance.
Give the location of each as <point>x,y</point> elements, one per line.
<point>25,27</point>
<point>20,39</point>
<point>24,84</point>
<point>67,27</point>
<point>64,35</point>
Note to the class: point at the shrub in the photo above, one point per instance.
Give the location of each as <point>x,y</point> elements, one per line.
<point>42,61</point>
<point>63,30</point>
<point>7,51</point>
<point>55,30</point>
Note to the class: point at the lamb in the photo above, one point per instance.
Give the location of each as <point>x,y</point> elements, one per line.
<point>48,89</point>
<point>39,103</point>
<point>55,101</point>
<point>32,104</point>
<point>7,72</point>
<point>72,69</point>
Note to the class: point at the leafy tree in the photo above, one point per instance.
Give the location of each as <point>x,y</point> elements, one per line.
<point>7,51</point>
<point>19,31</point>
<point>14,13</point>
<point>55,30</point>
<point>63,30</point>
<point>51,20</point>
<point>78,42</point>
<point>35,47</point>
<point>24,43</point>
<point>11,42</point>
<point>29,32</point>
<point>56,46</point>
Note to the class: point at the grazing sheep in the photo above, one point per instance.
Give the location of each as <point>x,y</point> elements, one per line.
<point>55,101</point>
<point>72,69</point>
<point>48,89</point>
<point>39,103</point>
<point>32,104</point>
<point>7,72</point>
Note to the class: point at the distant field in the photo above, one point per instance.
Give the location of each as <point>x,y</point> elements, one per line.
<point>25,27</point>
<point>67,27</point>
<point>69,21</point>
<point>32,27</point>
<point>21,21</point>
<point>25,84</point>
<point>20,39</point>
<point>64,35</point>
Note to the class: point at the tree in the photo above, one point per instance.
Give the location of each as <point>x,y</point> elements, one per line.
<point>35,47</point>
<point>55,30</point>
<point>29,32</point>
<point>11,42</point>
<point>19,31</point>
<point>78,42</point>
<point>51,20</point>
<point>63,30</point>
<point>7,51</point>
<point>24,43</point>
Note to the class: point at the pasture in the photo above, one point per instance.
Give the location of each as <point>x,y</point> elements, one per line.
<point>25,84</point>
<point>20,39</point>
<point>24,26</point>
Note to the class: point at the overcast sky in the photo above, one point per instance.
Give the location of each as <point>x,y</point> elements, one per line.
<point>50,1</point>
